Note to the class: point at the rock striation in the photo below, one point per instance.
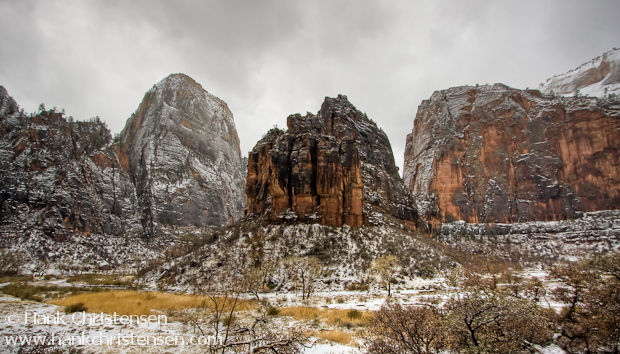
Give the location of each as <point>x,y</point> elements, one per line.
<point>492,153</point>
<point>182,151</point>
<point>335,167</point>
<point>176,163</point>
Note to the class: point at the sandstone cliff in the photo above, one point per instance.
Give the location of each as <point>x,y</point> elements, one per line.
<point>497,154</point>
<point>335,167</point>
<point>182,150</point>
<point>176,164</point>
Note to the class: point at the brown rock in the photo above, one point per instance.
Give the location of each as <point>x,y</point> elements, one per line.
<point>497,154</point>
<point>336,167</point>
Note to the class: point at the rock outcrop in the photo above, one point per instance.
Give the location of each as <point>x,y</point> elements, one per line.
<point>496,154</point>
<point>182,150</point>
<point>177,163</point>
<point>600,77</point>
<point>335,167</point>
<point>60,176</point>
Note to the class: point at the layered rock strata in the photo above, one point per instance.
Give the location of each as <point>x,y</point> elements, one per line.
<point>335,167</point>
<point>492,153</point>
<point>176,163</point>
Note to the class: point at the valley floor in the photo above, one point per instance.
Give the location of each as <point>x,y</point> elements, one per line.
<point>154,322</point>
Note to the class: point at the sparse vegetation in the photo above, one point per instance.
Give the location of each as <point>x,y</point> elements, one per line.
<point>591,320</point>
<point>337,336</point>
<point>26,291</point>
<point>77,307</point>
<point>10,262</point>
<point>220,316</point>
<point>500,312</point>
<point>386,268</point>
<point>130,302</point>
<point>356,287</point>
<point>117,280</point>
<point>334,317</point>
<point>481,320</point>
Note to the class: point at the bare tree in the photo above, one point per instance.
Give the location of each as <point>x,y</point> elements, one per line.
<point>255,279</point>
<point>590,321</point>
<point>219,318</point>
<point>534,289</point>
<point>490,321</point>
<point>386,269</point>
<point>304,271</point>
<point>398,329</point>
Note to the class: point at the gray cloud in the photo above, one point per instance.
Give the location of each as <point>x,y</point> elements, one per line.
<point>268,59</point>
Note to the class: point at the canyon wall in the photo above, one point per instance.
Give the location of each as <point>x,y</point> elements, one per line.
<point>496,154</point>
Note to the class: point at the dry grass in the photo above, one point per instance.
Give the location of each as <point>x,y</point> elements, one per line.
<point>102,279</point>
<point>335,317</point>
<point>130,302</point>
<point>337,336</point>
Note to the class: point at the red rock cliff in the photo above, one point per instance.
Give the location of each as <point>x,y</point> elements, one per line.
<point>497,154</point>
<point>335,167</point>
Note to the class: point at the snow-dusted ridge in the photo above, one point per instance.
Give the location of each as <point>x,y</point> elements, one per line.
<point>598,77</point>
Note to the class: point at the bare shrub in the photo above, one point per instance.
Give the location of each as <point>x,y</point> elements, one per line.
<point>398,329</point>
<point>490,321</point>
<point>590,321</point>
<point>222,319</point>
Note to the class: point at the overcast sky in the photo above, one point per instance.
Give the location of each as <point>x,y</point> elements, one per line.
<point>268,59</point>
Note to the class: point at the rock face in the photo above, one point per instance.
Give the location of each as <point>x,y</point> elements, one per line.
<point>497,154</point>
<point>177,164</point>
<point>335,166</point>
<point>599,77</point>
<point>61,176</point>
<point>182,150</point>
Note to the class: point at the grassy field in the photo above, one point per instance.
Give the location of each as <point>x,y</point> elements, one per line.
<point>336,336</point>
<point>131,302</point>
<point>334,317</point>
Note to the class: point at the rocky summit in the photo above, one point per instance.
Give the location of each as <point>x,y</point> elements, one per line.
<point>497,154</point>
<point>176,163</point>
<point>182,150</point>
<point>600,77</point>
<point>335,167</point>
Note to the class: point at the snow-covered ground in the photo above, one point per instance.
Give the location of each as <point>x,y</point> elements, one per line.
<point>29,322</point>
<point>22,321</point>
<point>25,324</point>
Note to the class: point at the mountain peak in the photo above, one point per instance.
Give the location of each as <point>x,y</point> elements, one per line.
<point>180,142</point>
<point>177,80</point>
<point>598,77</point>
